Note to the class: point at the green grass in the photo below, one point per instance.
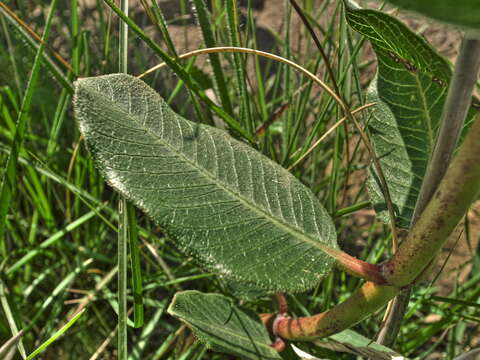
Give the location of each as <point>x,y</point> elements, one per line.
<point>58,253</point>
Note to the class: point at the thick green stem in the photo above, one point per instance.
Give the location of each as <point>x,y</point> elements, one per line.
<point>453,117</point>
<point>368,299</point>
<point>458,189</point>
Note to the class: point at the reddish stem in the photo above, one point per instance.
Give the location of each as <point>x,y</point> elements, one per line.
<point>359,268</point>
<point>369,298</point>
<point>282,304</point>
<point>278,345</point>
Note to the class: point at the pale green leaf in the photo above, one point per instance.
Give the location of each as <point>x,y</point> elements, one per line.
<point>352,342</point>
<point>409,92</point>
<point>223,326</point>
<point>237,212</point>
<point>459,12</point>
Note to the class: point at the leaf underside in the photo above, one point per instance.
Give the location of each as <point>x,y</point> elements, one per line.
<point>352,342</point>
<point>409,91</point>
<point>223,326</point>
<point>459,12</point>
<point>237,212</point>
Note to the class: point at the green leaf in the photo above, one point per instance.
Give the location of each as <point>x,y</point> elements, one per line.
<point>244,290</point>
<point>352,342</point>
<point>223,326</point>
<point>409,91</point>
<point>237,212</point>
<point>459,12</point>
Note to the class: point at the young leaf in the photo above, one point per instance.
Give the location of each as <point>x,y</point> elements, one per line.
<point>236,211</point>
<point>409,92</point>
<point>459,12</point>
<point>223,326</point>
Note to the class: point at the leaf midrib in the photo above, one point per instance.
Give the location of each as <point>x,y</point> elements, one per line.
<point>285,226</point>
<point>200,325</point>
<point>198,321</point>
<point>427,120</point>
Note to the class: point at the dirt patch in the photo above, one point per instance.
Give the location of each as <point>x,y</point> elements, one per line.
<point>454,264</point>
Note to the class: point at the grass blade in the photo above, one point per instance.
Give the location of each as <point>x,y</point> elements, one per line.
<point>123,212</point>
<point>233,31</point>
<point>7,350</point>
<point>51,240</point>
<point>55,336</point>
<point>136,269</point>
<point>122,279</point>
<point>9,178</point>
<point>182,74</point>
<point>35,42</point>
<point>205,22</point>
<point>10,318</point>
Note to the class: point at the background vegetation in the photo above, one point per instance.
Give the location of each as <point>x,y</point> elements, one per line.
<point>59,244</point>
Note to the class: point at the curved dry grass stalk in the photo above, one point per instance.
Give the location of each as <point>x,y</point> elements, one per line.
<point>233,49</point>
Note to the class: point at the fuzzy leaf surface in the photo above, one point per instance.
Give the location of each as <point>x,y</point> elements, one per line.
<point>459,12</point>
<point>409,91</point>
<point>237,212</point>
<point>223,326</point>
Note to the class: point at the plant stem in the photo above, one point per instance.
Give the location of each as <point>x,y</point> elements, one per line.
<point>122,279</point>
<point>137,287</point>
<point>123,229</point>
<point>123,45</point>
<point>458,103</point>
<point>233,49</point>
<point>452,121</point>
<point>458,189</point>
<point>394,317</point>
<point>357,267</point>
<point>368,299</point>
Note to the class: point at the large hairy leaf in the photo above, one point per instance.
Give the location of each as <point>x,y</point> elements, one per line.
<point>239,213</point>
<point>223,326</point>
<point>409,91</point>
<point>459,12</point>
